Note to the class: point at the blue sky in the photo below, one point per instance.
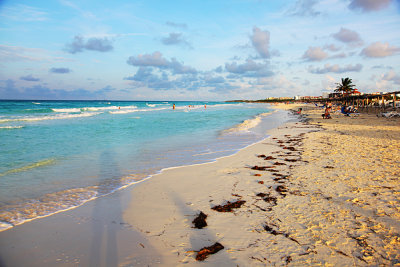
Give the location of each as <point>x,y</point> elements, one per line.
<point>196,50</point>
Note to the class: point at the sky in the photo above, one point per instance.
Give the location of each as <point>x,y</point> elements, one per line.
<point>196,49</point>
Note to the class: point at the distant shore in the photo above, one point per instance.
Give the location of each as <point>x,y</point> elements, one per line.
<point>315,192</point>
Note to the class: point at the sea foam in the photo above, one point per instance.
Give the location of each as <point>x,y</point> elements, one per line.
<point>246,125</point>
<point>51,117</point>
<point>10,127</point>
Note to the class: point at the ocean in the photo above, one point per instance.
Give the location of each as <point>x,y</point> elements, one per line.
<point>57,155</point>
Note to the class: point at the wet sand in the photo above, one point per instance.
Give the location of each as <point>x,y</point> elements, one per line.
<point>316,192</point>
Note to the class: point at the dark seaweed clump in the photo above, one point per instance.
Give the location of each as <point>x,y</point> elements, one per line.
<point>200,221</point>
<point>204,252</point>
<point>229,206</point>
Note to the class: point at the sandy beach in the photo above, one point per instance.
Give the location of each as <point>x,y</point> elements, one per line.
<point>316,192</point>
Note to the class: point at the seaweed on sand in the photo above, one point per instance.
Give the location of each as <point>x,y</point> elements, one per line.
<point>261,168</point>
<point>204,252</point>
<point>200,221</point>
<point>281,190</point>
<point>228,207</point>
<point>268,198</point>
<point>274,232</point>
<point>266,157</point>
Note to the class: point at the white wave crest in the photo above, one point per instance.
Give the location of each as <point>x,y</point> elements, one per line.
<point>123,111</point>
<point>84,109</point>
<point>11,127</point>
<point>153,109</point>
<point>155,105</point>
<point>246,125</point>
<point>66,109</point>
<point>53,117</point>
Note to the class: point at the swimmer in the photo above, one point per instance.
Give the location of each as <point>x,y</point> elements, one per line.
<point>173,106</point>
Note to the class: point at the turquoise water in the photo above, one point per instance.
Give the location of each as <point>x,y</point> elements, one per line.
<point>56,155</point>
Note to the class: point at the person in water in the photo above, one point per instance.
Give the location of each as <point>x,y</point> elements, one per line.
<point>173,106</point>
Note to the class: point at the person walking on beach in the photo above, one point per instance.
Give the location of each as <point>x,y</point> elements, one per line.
<point>327,114</point>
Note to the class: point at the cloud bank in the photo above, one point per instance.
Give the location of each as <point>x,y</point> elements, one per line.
<point>8,90</point>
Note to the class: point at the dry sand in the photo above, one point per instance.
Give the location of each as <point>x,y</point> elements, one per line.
<point>324,192</point>
<point>335,201</point>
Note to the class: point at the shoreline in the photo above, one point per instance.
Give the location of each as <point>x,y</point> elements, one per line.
<point>169,227</point>
<point>230,152</point>
<point>76,223</point>
<point>150,223</point>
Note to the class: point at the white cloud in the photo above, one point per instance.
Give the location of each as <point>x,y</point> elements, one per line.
<point>175,39</point>
<point>340,55</point>
<point>260,41</point>
<point>158,61</point>
<point>332,47</point>
<point>336,69</point>
<point>348,36</point>
<point>392,76</point>
<point>249,69</point>
<point>60,70</point>
<point>93,44</point>
<point>155,60</point>
<point>158,73</point>
<point>369,5</point>
<point>379,49</point>
<point>314,54</point>
<point>29,78</point>
<point>328,83</point>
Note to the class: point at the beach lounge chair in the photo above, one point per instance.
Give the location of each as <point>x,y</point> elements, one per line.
<point>349,110</point>
<point>344,111</point>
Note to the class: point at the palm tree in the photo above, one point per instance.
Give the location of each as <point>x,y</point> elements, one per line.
<point>346,87</point>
